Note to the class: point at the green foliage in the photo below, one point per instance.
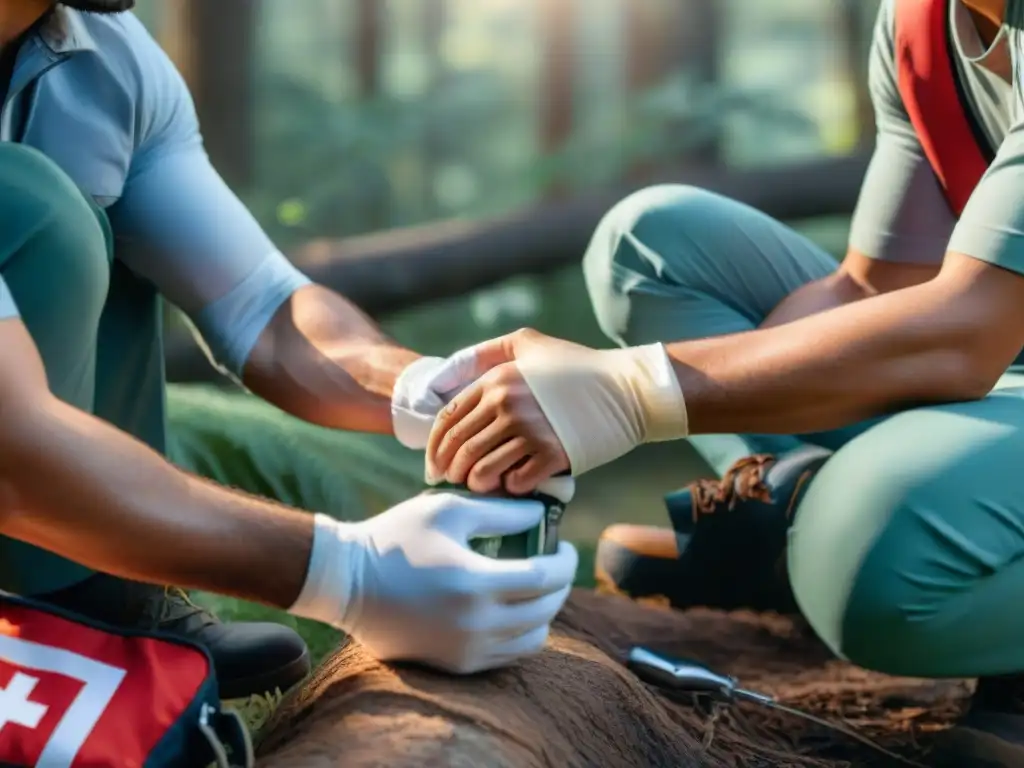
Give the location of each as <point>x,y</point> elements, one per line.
<point>334,168</point>
<point>328,168</point>
<point>680,117</point>
<point>320,638</point>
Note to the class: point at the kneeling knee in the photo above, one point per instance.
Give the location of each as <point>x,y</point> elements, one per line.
<point>30,176</point>
<point>876,609</point>
<point>658,204</point>
<point>36,188</point>
<point>853,562</point>
<point>654,216</point>
<point>869,617</point>
<point>648,236</point>
<point>62,242</point>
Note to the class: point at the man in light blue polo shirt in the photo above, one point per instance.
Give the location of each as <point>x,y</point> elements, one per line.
<point>109,204</point>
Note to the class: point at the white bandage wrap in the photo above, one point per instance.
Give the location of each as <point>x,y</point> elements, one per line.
<point>424,388</point>
<point>334,568</point>
<point>604,404</point>
<point>562,488</point>
<point>414,405</point>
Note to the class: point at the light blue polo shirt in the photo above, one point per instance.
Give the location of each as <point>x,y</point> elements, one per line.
<point>98,96</point>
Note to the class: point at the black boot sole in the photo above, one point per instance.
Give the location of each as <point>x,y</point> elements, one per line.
<point>267,681</point>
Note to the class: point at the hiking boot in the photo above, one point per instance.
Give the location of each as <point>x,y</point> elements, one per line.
<point>726,548</point>
<point>255,663</point>
<point>991,733</point>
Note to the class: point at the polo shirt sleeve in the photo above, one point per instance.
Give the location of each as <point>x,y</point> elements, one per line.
<point>180,226</point>
<point>901,214</point>
<point>8,308</point>
<point>992,225</point>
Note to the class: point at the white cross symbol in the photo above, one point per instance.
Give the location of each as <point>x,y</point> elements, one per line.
<point>15,706</point>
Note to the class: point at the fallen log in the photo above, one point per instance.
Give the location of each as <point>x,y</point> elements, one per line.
<point>575,705</point>
<point>398,269</point>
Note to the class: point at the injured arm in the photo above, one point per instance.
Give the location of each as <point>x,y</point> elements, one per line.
<point>562,406</point>
<point>946,340</point>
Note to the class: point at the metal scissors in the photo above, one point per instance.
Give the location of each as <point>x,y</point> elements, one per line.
<point>686,676</point>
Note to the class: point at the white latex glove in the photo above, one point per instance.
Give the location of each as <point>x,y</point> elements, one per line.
<point>409,588</point>
<point>424,388</point>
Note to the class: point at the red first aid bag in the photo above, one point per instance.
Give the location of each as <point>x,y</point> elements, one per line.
<point>77,694</point>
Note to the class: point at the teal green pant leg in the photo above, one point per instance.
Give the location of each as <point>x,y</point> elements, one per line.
<point>907,553</point>
<point>674,262</point>
<point>55,251</point>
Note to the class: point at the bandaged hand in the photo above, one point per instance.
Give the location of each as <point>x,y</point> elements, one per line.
<point>549,405</point>
<point>408,587</point>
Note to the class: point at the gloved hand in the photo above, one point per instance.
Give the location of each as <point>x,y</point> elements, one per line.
<point>407,585</point>
<point>424,388</point>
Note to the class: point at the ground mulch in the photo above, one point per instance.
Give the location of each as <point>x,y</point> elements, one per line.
<point>576,705</point>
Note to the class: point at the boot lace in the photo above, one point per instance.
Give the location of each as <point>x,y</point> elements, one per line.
<point>178,607</point>
<point>743,481</point>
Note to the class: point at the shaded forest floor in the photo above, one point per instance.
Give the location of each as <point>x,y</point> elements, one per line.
<point>575,705</point>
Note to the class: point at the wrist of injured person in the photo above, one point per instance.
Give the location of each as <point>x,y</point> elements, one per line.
<point>602,404</point>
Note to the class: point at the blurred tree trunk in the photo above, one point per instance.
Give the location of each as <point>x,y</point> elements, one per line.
<point>664,37</point>
<point>436,139</point>
<point>697,41</point>
<point>173,32</point>
<point>213,44</point>
<point>370,28</point>
<point>369,31</point>
<point>558,27</point>
<point>855,33</point>
<point>647,40</point>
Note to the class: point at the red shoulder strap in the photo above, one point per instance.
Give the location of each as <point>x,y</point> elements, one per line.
<point>932,98</point>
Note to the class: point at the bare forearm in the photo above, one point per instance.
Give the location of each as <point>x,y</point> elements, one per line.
<point>78,487</point>
<point>840,366</point>
<point>323,360</point>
